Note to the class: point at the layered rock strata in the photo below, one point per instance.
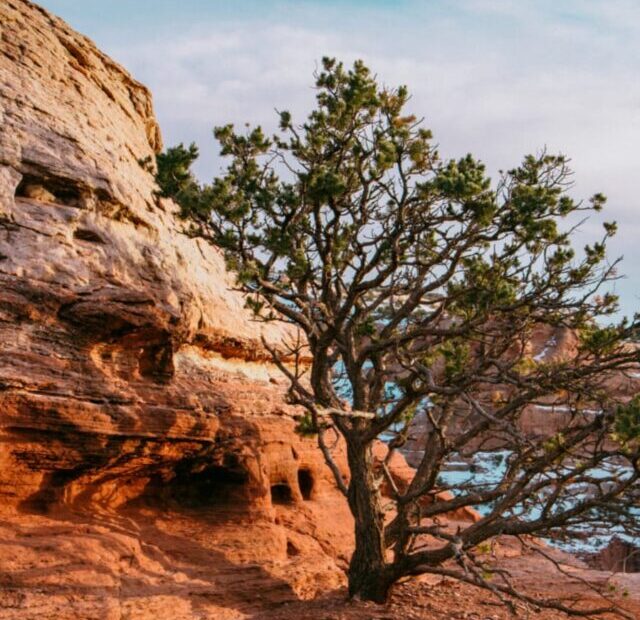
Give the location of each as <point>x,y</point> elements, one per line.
<point>134,387</point>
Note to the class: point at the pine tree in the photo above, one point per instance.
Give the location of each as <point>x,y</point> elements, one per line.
<point>417,283</point>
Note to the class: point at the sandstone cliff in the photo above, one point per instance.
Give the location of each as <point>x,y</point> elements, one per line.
<point>132,379</point>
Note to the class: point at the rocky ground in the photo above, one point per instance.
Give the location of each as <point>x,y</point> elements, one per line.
<point>149,466</point>
<point>183,565</point>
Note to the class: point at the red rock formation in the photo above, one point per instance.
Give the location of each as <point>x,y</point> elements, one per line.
<point>137,400</point>
<point>551,415</point>
<point>132,379</point>
<point>620,556</point>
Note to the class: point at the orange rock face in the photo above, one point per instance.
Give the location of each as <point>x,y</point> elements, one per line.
<point>149,463</point>
<point>140,420</point>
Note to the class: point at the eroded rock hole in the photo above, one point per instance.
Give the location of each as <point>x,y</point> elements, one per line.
<point>156,362</point>
<point>197,486</point>
<point>305,482</point>
<point>50,189</point>
<point>292,550</point>
<point>281,494</point>
<point>84,234</point>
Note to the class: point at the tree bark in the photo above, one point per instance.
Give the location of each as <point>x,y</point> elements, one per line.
<point>370,578</point>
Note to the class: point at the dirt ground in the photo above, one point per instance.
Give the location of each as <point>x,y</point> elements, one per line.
<point>181,567</point>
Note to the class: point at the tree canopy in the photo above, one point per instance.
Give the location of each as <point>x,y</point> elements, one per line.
<point>417,283</point>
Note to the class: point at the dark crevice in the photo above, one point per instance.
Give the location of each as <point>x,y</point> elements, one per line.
<point>98,322</point>
<point>156,361</point>
<point>305,481</point>
<point>196,484</point>
<point>51,189</point>
<point>281,494</point>
<point>81,58</point>
<point>84,234</point>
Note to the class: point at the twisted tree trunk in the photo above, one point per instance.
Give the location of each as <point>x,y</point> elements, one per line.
<point>370,578</point>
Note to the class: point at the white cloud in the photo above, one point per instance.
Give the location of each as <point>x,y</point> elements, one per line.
<point>499,78</point>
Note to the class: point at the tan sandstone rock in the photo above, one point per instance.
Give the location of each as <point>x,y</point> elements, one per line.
<point>141,426</point>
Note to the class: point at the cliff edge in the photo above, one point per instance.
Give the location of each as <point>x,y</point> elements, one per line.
<point>141,422</point>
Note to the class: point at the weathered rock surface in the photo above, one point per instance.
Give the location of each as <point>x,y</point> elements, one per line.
<point>148,461</point>
<point>134,387</point>
<point>115,324</point>
<point>621,556</point>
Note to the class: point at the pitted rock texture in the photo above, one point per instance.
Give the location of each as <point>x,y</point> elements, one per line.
<point>140,420</point>
<point>78,210</point>
<point>116,326</point>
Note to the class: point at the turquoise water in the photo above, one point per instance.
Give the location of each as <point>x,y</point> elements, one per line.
<point>485,471</point>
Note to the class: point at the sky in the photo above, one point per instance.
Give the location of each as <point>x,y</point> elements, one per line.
<point>497,78</point>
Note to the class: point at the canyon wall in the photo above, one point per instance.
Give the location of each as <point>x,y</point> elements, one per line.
<point>136,397</point>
